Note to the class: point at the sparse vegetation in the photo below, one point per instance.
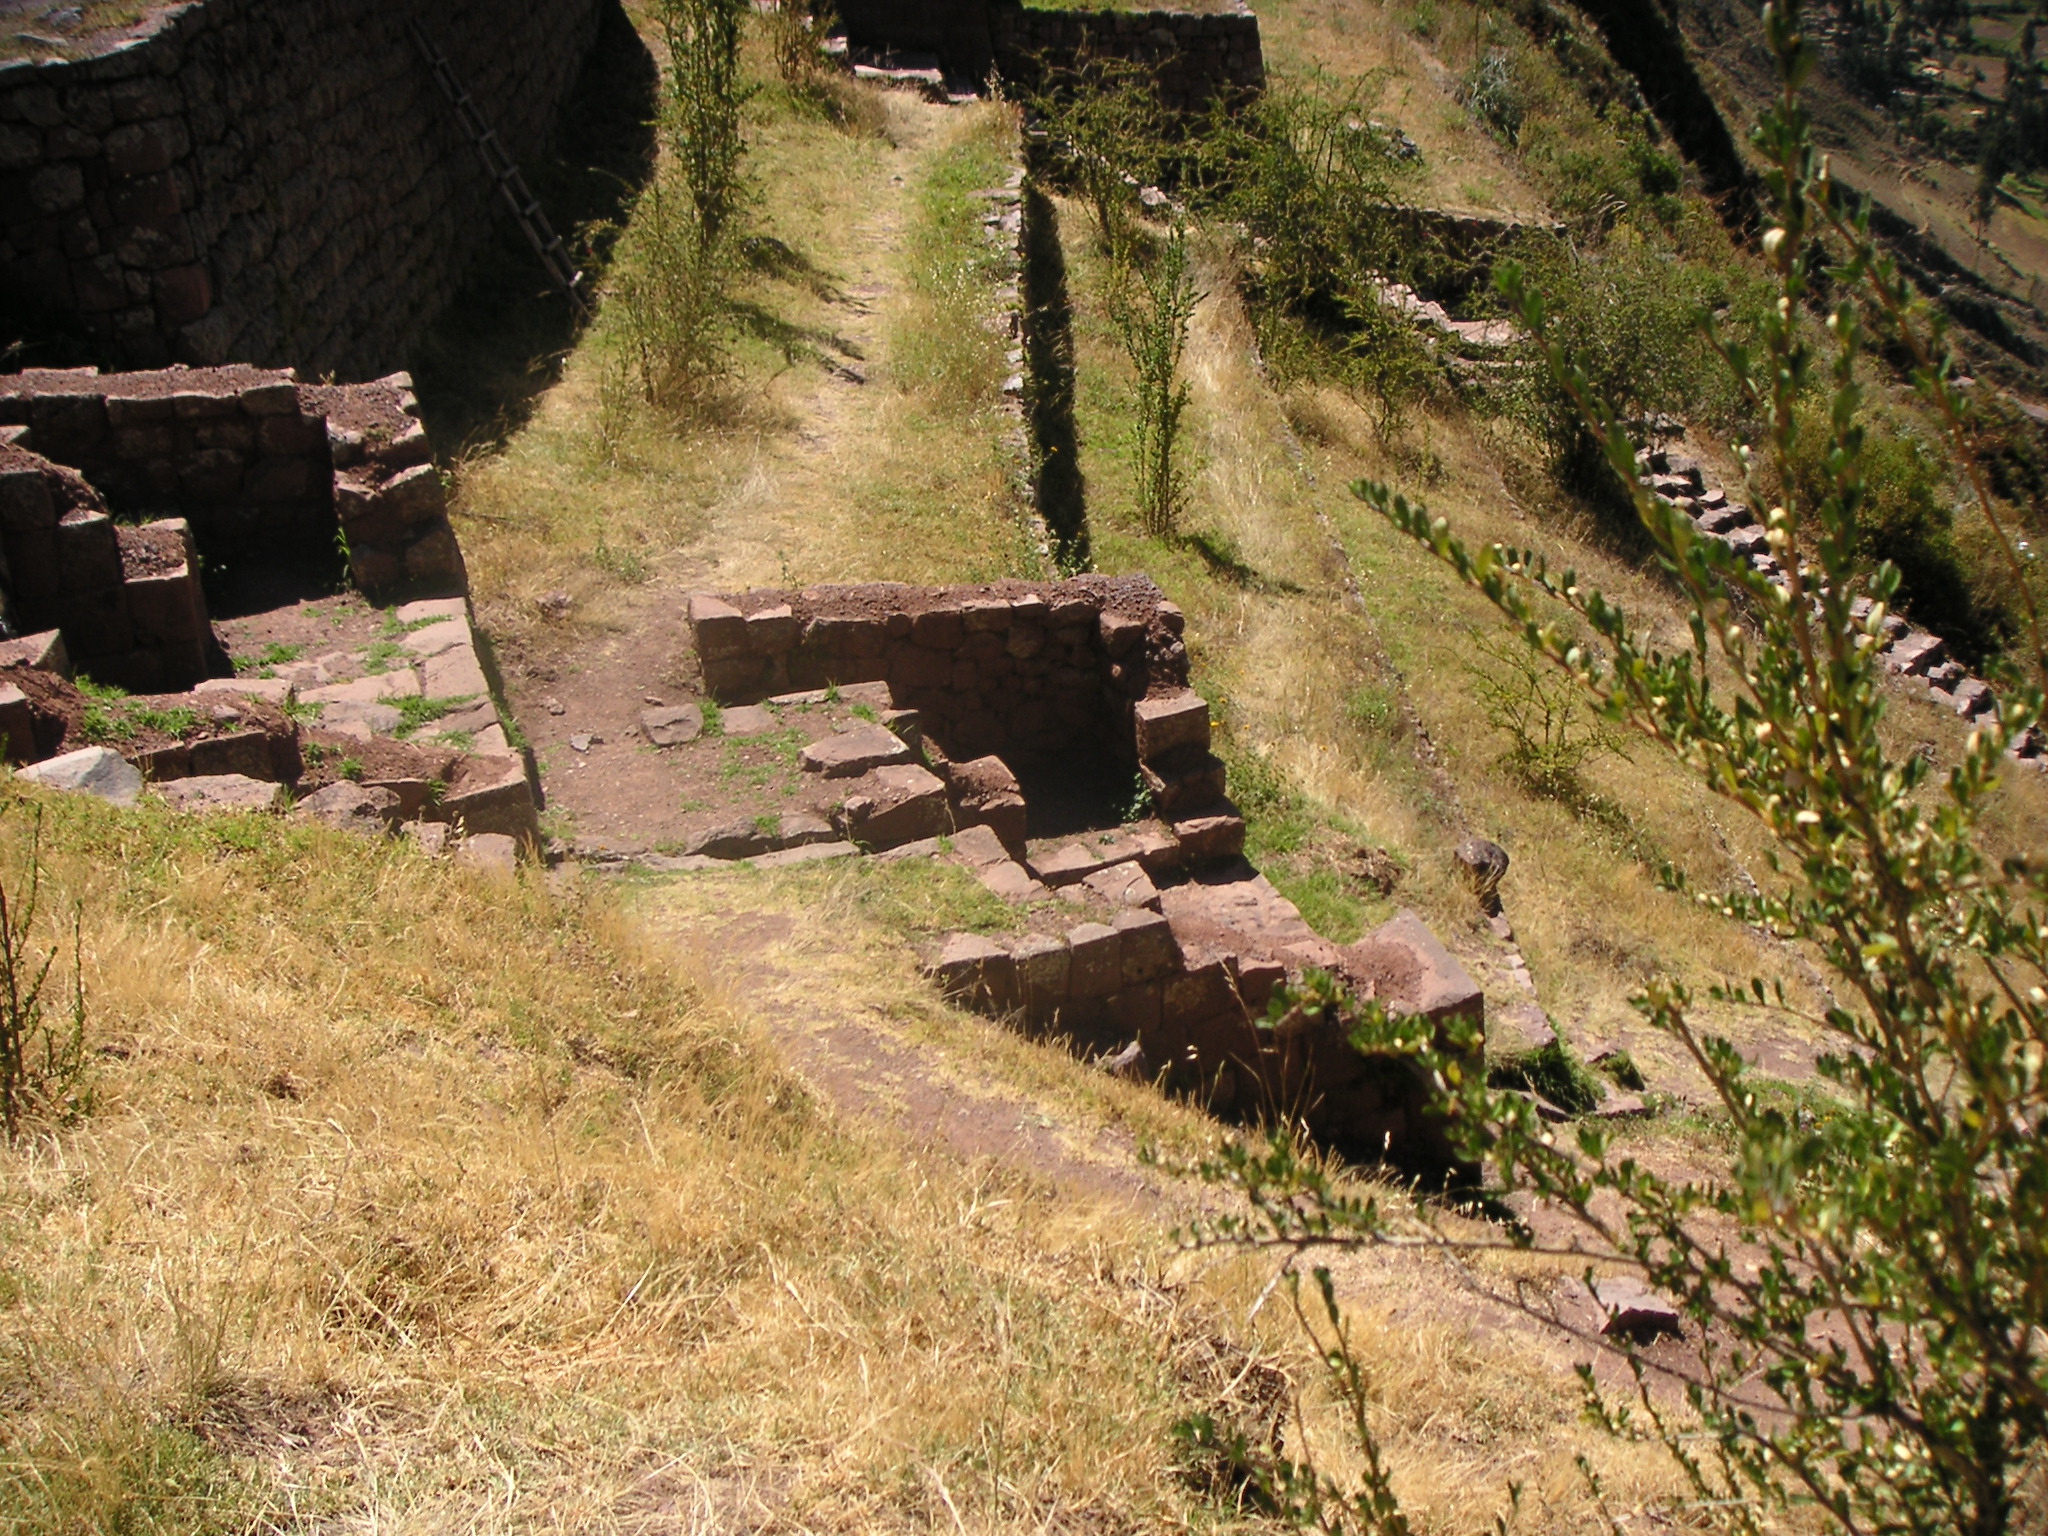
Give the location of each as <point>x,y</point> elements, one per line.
<point>42,1039</point>
<point>1152,305</point>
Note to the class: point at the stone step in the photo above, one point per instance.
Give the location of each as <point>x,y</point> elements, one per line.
<point>1184,780</point>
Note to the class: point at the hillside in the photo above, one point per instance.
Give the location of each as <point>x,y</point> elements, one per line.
<point>640,1188</point>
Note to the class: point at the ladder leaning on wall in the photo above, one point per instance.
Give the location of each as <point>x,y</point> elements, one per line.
<point>504,170</point>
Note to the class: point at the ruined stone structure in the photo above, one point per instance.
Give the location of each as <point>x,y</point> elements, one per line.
<point>257,464</point>
<point>1195,58</point>
<point>249,182</point>
<point>1184,943</point>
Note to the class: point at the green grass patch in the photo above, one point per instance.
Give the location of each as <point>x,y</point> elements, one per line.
<point>415,712</point>
<point>924,896</point>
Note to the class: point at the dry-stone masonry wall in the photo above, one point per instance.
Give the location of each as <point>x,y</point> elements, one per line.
<point>1195,58</point>
<point>127,598</point>
<point>268,183</point>
<point>259,464</point>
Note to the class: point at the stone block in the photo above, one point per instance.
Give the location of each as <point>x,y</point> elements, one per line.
<point>719,629</point>
<point>17,725</point>
<point>976,971</point>
<point>985,614</point>
<point>1120,632</point>
<point>772,631</point>
<point>358,808</point>
<point>848,754</point>
<point>97,771</point>
<point>1210,839</point>
<point>1184,781</point>
<point>490,793</point>
<point>1096,965</point>
<point>1164,723</point>
<point>940,629</point>
<point>1133,1011</point>
<point>25,501</point>
<point>1201,992</point>
<point>88,551</point>
<point>1917,652</point>
<point>239,752</point>
<point>730,678</point>
<point>1405,967</point>
<point>1043,961</point>
<point>895,805</point>
<point>455,674</point>
<point>674,725</point>
<point>1149,951</point>
<point>1124,885</point>
<point>213,794</point>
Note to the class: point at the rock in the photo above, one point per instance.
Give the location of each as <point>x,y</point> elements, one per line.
<point>271,690</point>
<point>1484,864</point>
<point>582,743</point>
<point>431,837</point>
<point>1207,839</point>
<point>433,608</point>
<point>807,853</point>
<point>1635,1312</point>
<point>375,719</point>
<point>1917,652</point>
<point>1010,880</point>
<point>893,805</point>
<point>1129,1064</point>
<point>674,726</point>
<point>350,807</point>
<point>730,840</point>
<point>748,720</point>
<point>985,791</point>
<point>99,771</point>
<point>1620,1106</point>
<point>1124,885</point>
<point>1520,1027</point>
<point>456,674</point>
<point>554,706</point>
<point>974,970</point>
<point>1096,957</point>
<point>1175,720</point>
<point>221,792</point>
<point>489,853</point>
<point>399,683</point>
<point>848,754</point>
<point>801,829</point>
<point>979,847</point>
<point>1072,863</point>
<point>490,793</point>
<point>1408,969</point>
<point>17,725</point>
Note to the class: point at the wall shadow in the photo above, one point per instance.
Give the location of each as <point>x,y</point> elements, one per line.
<point>1059,492</point>
<point>483,366</point>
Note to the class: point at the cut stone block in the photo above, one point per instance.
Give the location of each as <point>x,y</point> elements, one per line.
<point>974,970</point>
<point>1173,720</point>
<point>979,847</point>
<point>1011,881</point>
<point>1072,863</point>
<point>221,792</point>
<point>772,631</point>
<point>808,853</point>
<point>441,636</point>
<point>799,829</point>
<point>243,752</point>
<point>1124,885</point>
<point>352,808</point>
<point>1918,652</point>
<point>433,608</point>
<point>17,725</point>
<point>1095,968</point>
<point>271,690</point>
<point>850,753</point>
<point>44,652</point>
<point>894,805</point>
<point>1207,839</point>
<point>99,771</point>
<point>1410,972</point>
<point>1973,698</point>
<point>456,674</point>
<point>748,720</point>
<point>985,791</point>
<point>673,726</point>
<point>730,840</point>
<point>1042,966</point>
<point>490,793</point>
<point>379,719</point>
<point>489,853</point>
<point>720,629</point>
<point>1184,780</point>
<point>1149,949</point>
<point>399,683</point>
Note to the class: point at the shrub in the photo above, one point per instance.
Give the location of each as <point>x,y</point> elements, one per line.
<point>1105,123</point>
<point>1152,306</point>
<point>1875,1362</point>
<point>42,1060</point>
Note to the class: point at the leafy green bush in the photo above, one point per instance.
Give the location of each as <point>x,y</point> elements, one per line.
<point>1875,1363</point>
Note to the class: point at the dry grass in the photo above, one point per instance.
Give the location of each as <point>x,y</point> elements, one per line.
<point>418,1200</point>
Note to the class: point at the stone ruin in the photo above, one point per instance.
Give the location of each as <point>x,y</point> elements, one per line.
<point>974,692</point>
<point>115,491</point>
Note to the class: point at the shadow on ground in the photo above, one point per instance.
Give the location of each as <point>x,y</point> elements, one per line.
<point>481,369</point>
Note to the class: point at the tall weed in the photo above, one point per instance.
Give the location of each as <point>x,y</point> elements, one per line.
<point>42,1049</point>
<point>1152,306</point>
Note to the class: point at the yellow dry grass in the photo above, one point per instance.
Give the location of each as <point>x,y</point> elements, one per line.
<point>415,1200</point>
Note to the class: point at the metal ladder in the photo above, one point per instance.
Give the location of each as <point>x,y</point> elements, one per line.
<point>504,170</point>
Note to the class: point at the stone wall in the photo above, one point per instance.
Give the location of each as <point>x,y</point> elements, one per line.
<point>258,464</point>
<point>1195,58</point>
<point>280,184</point>
<point>127,599</point>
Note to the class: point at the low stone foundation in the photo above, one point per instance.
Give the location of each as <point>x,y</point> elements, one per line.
<point>258,464</point>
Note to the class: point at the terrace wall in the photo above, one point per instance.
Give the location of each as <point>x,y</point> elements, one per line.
<point>279,184</point>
